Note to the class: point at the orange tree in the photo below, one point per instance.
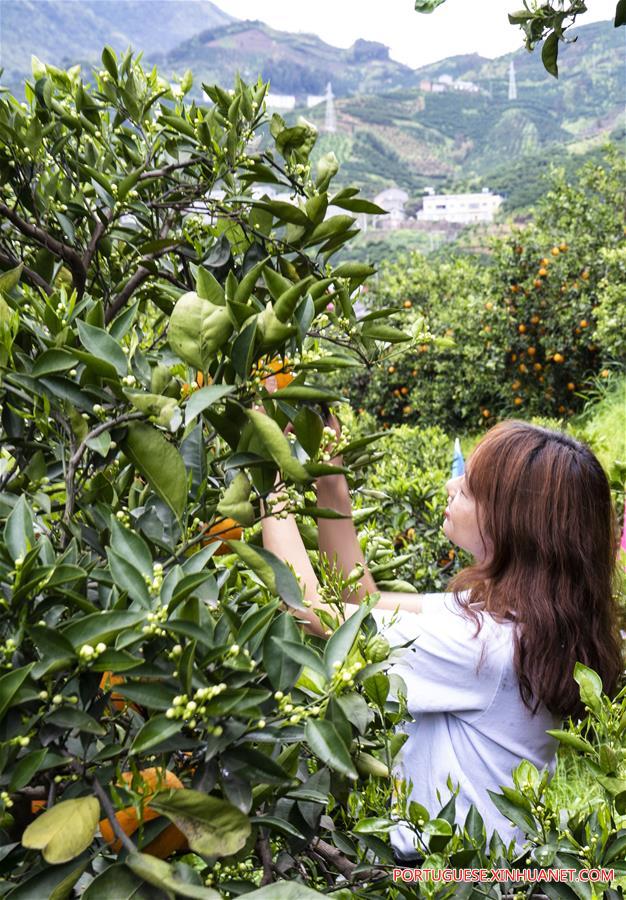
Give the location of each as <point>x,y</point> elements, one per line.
<point>524,330</point>
<point>149,286</point>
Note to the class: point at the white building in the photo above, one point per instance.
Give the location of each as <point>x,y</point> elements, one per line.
<point>393,200</point>
<point>281,101</point>
<point>463,208</point>
<point>468,86</point>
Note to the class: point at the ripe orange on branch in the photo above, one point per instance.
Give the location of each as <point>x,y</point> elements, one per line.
<point>224,530</point>
<point>150,780</point>
<point>278,374</point>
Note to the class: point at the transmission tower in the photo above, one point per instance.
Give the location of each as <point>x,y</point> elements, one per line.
<point>330,119</point>
<point>512,82</point>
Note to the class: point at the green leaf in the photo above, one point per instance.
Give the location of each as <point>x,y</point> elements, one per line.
<point>248,282</point>
<point>571,740</point>
<point>65,830</point>
<point>101,626</point>
<point>161,874</point>
<point>10,279</point>
<point>10,685</point>
<point>620,14</point>
<point>324,741</point>
<point>550,52</point>
<point>128,578</point>
<point>52,883</point>
<point>353,270</point>
<point>131,546</point>
<point>304,392</point>
<point>235,503</point>
<point>25,769</point>
<point>381,332</point>
<point>272,571</point>
<point>100,343</point>
<point>209,288</point>
<point>374,826</point>
<point>277,445</point>
<point>164,410</point>
<point>281,668</point>
<point>280,825</point>
<point>118,883</point>
<point>159,462</point>
<point>300,653</point>
<point>427,6</point>
<point>377,689</point>
<point>340,643</point>
<point>590,685</point>
<point>308,426</point>
<point>154,732</point>
<point>213,827</point>
<point>109,63</point>
<point>53,361</point>
<point>70,717</point>
<point>359,205</point>
<point>198,329</point>
<point>327,168</point>
<point>19,535</point>
<point>150,694</point>
<point>205,397</point>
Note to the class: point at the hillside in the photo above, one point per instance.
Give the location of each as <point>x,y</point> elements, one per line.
<point>293,63</point>
<point>414,138</point>
<point>65,33</point>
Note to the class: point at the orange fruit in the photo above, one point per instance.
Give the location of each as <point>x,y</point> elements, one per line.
<point>404,391</point>
<point>514,288</point>
<point>535,320</point>
<point>537,367</point>
<point>407,304</point>
<point>584,323</point>
<point>414,373</point>
<point>396,393</point>
<point>531,351</point>
<point>488,305</point>
<point>516,385</point>
<point>545,261</point>
<point>585,275</point>
<point>279,375</point>
<point>570,386</point>
<point>518,401</point>
<point>154,779</point>
<point>605,373</point>
<point>521,328</point>
<point>555,251</point>
<point>522,368</point>
<point>170,841</point>
<point>406,410</point>
<point>391,369</point>
<point>563,247</point>
<point>106,682</point>
<point>513,357</point>
<point>558,358</point>
<point>486,413</point>
<point>537,282</point>
<point>543,272</point>
<point>226,530</point>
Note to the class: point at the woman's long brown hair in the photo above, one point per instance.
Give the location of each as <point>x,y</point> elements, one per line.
<point>545,505</point>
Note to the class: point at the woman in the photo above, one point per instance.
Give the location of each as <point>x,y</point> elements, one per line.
<point>488,668</point>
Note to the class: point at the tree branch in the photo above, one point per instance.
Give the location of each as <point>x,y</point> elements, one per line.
<point>265,856</point>
<point>126,293</point>
<point>333,856</point>
<point>41,237</point>
<point>31,276</point>
<point>107,806</point>
<point>77,456</point>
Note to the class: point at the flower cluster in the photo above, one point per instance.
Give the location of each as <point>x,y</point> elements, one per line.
<point>87,653</point>
<point>154,589</point>
<point>343,676</point>
<point>192,710</point>
<point>155,619</point>
<point>294,714</point>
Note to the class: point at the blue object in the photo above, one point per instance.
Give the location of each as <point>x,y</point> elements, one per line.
<point>458,463</point>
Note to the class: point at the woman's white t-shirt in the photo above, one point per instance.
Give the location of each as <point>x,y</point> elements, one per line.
<point>470,721</point>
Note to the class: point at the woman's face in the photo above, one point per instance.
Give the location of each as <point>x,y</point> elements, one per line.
<point>461,520</point>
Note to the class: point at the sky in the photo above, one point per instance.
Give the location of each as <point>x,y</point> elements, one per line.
<point>459,26</point>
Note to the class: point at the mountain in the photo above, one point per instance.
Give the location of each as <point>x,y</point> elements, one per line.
<point>293,63</point>
<point>64,32</point>
<point>415,137</point>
